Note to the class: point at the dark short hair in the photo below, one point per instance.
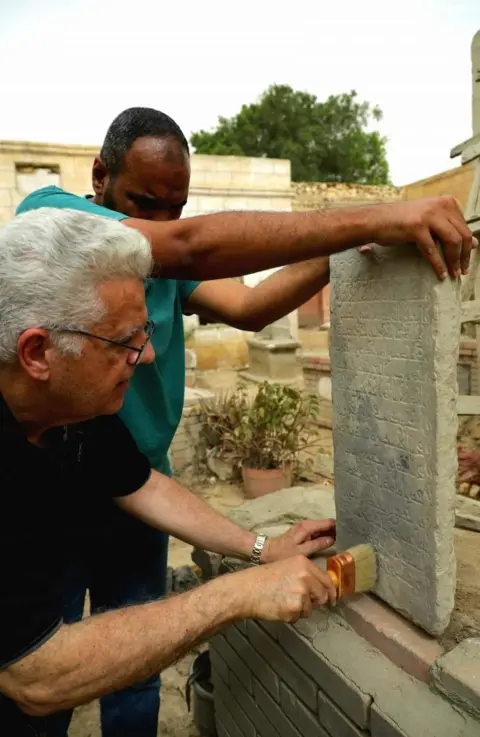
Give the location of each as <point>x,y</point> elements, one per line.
<point>133,123</point>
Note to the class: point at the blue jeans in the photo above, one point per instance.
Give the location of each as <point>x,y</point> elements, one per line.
<point>125,565</point>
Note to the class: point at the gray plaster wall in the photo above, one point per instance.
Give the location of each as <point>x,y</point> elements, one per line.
<point>394,346</point>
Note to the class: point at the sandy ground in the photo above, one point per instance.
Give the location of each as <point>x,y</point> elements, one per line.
<point>465,621</point>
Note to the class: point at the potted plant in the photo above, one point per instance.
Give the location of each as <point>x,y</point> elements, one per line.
<point>264,436</point>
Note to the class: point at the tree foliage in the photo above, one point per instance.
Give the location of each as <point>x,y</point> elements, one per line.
<point>325,141</point>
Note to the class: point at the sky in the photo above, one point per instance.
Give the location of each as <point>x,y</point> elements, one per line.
<point>68,68</point>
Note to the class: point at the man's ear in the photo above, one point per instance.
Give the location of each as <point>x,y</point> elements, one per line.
<point>32,350</point>
<point>99,176</point>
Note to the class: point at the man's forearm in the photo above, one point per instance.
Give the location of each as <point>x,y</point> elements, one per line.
<point>284,291</point>
<point>165,504</point>
<point>237,243</point>
<point>110,651</point>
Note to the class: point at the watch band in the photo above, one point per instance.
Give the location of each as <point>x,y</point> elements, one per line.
<point>257,549</point>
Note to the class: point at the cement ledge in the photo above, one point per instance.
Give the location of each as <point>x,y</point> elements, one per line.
<point>398,639</point>
<point>456,675</point>
<point>274,345</point>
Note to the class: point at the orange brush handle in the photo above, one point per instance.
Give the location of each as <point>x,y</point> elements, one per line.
<point>334,578</point>
<point>341,569</point>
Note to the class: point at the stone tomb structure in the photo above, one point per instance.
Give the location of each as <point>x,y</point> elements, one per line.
<point>363,669</point>
<point>272,355</point>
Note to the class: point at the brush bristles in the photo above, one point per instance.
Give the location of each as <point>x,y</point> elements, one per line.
<point>365,567</point>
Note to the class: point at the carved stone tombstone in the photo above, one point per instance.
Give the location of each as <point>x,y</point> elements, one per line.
<point>394,344</point>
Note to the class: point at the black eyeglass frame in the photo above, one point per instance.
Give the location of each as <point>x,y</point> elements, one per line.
<point>149,329</point>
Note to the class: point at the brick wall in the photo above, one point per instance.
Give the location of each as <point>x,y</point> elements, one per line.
<point>274,681</point>
<point>325,195</point>
<point>265,691</point>
<point>186,450</point>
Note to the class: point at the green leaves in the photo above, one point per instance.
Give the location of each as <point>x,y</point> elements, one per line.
<point>267,431</point>
<point>325,141</point>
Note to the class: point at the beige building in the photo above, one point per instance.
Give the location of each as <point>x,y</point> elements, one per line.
<point>218,182</point>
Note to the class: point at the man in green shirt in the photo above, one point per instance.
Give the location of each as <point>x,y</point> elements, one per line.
<point>142,177</point>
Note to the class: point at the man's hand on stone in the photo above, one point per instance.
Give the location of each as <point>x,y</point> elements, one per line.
<point>428,223</point>
<point>304,538</point>
<point>285,590</point>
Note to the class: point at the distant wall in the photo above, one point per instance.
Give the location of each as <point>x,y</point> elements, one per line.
<point>321,195</point>
<point>456,182</point>
<point>218,182</point>
<point>325,196</point>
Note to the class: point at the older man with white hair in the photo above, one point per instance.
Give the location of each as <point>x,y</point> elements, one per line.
<point>73,329</point>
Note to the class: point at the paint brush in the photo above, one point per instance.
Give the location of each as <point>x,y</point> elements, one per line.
<point>354,571</point>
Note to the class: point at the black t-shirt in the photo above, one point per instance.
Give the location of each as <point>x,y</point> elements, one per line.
<point>47,495</point>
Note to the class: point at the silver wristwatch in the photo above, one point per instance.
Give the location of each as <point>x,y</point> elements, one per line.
<point>257,549</point>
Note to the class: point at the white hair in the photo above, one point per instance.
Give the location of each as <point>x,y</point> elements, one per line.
<point>51,264</point>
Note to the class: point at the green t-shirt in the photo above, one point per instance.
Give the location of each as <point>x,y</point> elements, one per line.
<point>154,401</point>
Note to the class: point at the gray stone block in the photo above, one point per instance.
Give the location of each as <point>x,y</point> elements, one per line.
<point>382,726</point>
<point>283,665</point>
<point>394,346</point>
<point>254,661</point>
<point>467,514</point>
<point>273,712</point>
<point>274,359</point>
<point>223,695</point>
<point>457,675</point>
<point>306,722</point>
<point>255,714</point>
<point>335,721</point>
<point>234,662</point>
<point>329,679</point>
<point>286,506</point>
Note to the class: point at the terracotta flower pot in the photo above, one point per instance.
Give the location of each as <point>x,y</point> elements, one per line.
<point>258,481</point>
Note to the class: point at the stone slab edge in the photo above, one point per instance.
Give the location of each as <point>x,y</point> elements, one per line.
<point>456,675</point>
<point>402,642</point>
<point>278,508</point>
<point>467,514</point>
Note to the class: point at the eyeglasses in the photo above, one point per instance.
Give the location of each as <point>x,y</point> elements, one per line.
<point>148,330</point>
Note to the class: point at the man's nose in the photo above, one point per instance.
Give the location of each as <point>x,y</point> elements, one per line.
<point>148,354</point>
